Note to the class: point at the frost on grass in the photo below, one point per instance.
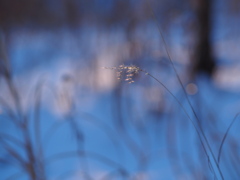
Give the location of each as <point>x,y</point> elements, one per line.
<point>126,72</point>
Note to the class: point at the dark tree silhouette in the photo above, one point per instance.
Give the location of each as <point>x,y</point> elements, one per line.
<point>203,57</point>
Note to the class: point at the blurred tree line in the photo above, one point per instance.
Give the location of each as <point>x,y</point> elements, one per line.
<point>124,13</point>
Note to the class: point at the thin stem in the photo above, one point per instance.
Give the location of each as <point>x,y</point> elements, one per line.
<point>183,108</point>
<point>37,128</point>
<point>18,159</point>
<point>80,144</point>
<point>179,80</point>
<point>4,136</point>
<point>225,136</point>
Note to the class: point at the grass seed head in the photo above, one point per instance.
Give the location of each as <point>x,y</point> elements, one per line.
<point>126,72</point>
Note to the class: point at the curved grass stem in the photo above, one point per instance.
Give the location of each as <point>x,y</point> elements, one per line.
<point>225,136</point>
<point>187,98</point>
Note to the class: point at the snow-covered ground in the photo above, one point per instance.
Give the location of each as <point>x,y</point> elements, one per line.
<point>139,126</point>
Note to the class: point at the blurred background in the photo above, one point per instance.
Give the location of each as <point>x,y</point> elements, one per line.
<point>64,116</point>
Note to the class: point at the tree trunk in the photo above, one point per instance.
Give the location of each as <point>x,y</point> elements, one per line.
<point>203,58</point>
